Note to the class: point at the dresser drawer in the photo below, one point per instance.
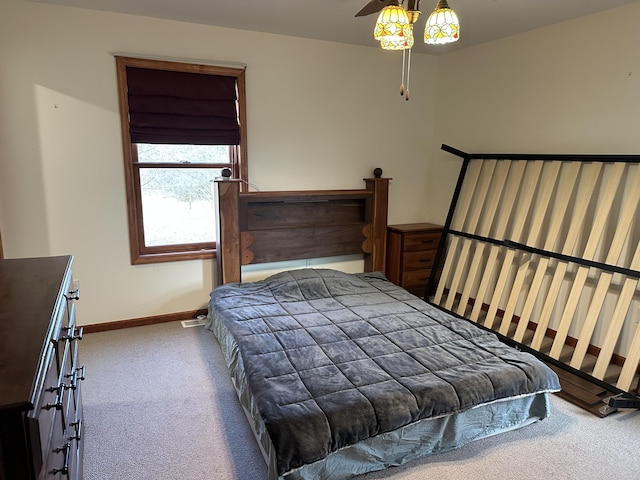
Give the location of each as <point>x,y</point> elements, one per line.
<point>421,241</point>
<point>50,402</point>
<point>64,459</point>
<point>64,451</point>
<point>54,411</point>
<point>51,397</point>
<point>75,435</point>
<point>75,375</point>
<point>62,315</point>
<point>59,449</point>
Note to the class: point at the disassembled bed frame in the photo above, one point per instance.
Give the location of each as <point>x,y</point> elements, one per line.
<point>544,250</point>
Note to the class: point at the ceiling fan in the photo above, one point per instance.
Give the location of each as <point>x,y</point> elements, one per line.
<point>394,27</point>
<point>376,5</point>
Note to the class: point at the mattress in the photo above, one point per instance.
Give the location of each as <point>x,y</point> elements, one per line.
<point>341,374</point>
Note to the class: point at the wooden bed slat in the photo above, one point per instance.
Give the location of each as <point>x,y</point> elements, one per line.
<point>508,202</point>
<point>578,215</point>
<point>532,174</point>
<point>470,225</point>
<point>630,366</point>
<point>623,226</point>
<point>597,302</point>
<point>546,185</point>
<point>484,227</point>
<point>468,188</point>
<point>617,318</point>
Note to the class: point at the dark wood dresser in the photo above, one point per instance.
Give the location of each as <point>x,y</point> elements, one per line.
<point>411,252</point>
<point>40,373</point>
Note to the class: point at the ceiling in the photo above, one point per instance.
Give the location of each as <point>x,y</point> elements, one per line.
<point>480,20</point>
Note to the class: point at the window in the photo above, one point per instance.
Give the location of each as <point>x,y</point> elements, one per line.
<point>182,124</point>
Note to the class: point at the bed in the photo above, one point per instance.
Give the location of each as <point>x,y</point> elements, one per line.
<point>340,374</point>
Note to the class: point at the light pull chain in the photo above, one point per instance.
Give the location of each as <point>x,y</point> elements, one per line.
<point>406,95</point>
<point>402,79</point>
<point>406,73</point>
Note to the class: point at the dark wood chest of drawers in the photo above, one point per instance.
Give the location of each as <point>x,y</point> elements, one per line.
<point>40,373</point>
<point>411,252</point>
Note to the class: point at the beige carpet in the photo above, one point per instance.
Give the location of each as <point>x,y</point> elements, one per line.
<point>159,405</point>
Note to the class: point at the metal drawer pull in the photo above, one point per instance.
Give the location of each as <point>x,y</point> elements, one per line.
<point>78,428</point>
<point>75,377</point>
<point>71,336</point>
<point>58,404</point>
<point>73,294</point>
<point>65,468</point>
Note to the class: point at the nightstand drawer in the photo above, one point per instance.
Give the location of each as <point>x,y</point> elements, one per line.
<point>421,241</point>
<point>415,278</point>
<point>418,260</point>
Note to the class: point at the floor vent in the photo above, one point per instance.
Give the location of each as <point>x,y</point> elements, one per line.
<point>196,322</point>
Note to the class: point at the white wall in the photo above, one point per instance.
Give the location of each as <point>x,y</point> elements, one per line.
<point>316,119</point>
<point>573,87</point>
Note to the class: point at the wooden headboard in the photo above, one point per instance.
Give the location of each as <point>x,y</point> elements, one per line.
<point>262,227</point>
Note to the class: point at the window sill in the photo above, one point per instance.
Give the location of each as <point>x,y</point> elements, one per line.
<point>148,258</point>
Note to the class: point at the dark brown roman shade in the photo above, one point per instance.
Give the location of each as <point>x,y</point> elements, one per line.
<point>173,107</point>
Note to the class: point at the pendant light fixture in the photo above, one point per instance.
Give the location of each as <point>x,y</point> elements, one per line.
<point>394,29</point>
<point>442,25</point>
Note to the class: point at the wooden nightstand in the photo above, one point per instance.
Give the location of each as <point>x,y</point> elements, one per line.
<point>411,252</point>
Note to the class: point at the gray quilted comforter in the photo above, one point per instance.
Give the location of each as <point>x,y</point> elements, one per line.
<point>334,358</point>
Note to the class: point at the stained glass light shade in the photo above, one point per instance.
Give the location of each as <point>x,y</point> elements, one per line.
<point>393,29</point>
<point>395,45</point>
<point>442,25</point>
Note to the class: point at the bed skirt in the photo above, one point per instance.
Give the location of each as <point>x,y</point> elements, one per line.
<point>413,441</point>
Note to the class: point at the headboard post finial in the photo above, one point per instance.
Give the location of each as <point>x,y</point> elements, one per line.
<point>226,173</point>
<point>377,172</point>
